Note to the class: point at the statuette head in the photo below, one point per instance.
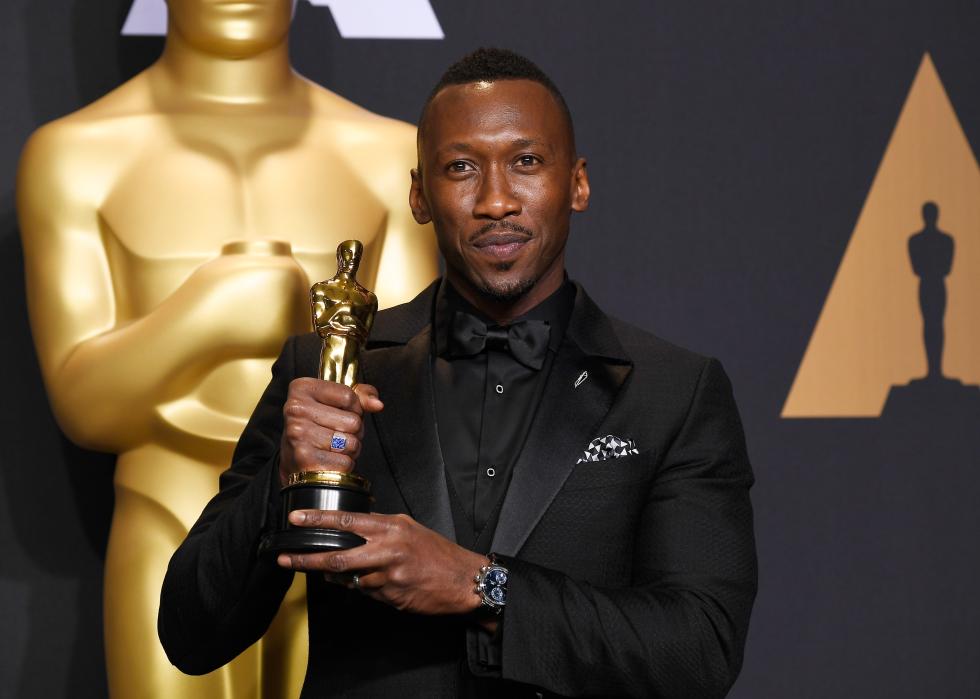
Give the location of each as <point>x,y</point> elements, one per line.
<point>349,256</point>
<point>230,29</point>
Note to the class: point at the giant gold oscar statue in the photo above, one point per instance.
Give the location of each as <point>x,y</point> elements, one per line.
<point>170,233</point>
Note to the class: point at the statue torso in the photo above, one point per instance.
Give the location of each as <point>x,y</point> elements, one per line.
<point>169,190</point>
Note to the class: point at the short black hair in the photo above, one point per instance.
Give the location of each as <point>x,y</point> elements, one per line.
<point>488,64</point>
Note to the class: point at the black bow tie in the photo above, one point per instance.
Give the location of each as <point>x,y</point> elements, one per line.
<point>525,340</point>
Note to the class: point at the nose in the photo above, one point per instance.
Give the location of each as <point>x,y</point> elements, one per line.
<point>496,198</point>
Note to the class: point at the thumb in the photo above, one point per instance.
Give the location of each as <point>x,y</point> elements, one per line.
<point>368,395</point>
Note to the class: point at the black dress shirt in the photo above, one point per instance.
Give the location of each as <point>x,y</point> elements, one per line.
<point>484,406</point>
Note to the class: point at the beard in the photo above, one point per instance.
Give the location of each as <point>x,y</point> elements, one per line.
<point>505,292</point>
<point>502,291</point>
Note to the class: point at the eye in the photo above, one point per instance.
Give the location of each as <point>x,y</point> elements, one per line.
<point>459,166</point>
<point>528,160</point>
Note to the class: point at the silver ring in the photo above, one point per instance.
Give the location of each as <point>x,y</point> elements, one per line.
<point>356,581</point>
<point>338,442</point>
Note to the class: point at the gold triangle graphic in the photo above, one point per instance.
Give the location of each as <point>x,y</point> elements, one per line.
<point>869,336</point>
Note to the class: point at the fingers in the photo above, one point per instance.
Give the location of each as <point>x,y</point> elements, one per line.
<point>333,418</point>
<point>323,425</point>
<point>341,443</point>
<point>367,582</point>
<point>331,405</point>
<point>368,557</point>
<point>368,396</point>
<point>314,447</point>
<point>339,563</point>
<point>362,524</point>
<point>363,397</point>
<point>305,432</point>
<point>329,393</point>
<point>402,564</point>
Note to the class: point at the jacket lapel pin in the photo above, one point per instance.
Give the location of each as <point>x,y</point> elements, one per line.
<point>581,379</point>
<point>608,447</point>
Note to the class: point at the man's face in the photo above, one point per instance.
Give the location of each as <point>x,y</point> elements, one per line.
<point>499,179</point>
<point>232,28</point>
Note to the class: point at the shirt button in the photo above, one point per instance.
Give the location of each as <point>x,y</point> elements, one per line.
<point>500,388</point>
<point>491,472</point>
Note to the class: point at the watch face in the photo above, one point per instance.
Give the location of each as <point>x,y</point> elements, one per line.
<point>497,576</point>
<point>495,585</point>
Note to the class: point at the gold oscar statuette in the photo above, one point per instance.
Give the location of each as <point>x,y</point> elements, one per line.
<point>343,313</point>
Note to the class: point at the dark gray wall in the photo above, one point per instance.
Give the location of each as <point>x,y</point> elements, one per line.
<point>731,146</point>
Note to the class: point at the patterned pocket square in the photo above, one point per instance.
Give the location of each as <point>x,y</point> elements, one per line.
<point>608,447</point>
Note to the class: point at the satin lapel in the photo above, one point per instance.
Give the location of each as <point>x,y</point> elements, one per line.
<point>566,419</point>
<point>407,429</point>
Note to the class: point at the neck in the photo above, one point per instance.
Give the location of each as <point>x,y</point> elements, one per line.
<point>259,79</point>
<point>504,312</point>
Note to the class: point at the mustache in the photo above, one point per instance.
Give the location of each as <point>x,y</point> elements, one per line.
<point>496,226</point>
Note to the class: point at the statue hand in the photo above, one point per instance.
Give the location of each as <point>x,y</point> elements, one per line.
<point>252,303</point>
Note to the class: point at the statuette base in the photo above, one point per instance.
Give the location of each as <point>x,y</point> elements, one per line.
<point>318,490</point>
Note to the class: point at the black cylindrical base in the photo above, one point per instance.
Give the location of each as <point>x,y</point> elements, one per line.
<point>308,540</point>
<point>308,496</point>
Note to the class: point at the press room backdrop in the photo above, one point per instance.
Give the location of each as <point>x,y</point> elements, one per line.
<point>757,171</point>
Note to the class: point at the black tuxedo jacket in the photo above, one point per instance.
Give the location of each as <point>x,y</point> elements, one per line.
<point>633,576</point>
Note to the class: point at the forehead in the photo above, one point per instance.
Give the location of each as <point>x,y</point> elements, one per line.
<point>488,111</point>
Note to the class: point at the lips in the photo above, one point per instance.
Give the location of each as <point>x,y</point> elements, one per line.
<point>501,245</point>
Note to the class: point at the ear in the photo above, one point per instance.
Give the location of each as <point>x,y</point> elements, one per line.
<point>416,199</point>
<point>580,186</point>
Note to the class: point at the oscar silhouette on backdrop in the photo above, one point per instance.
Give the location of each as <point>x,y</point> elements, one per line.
<point>931,253</point>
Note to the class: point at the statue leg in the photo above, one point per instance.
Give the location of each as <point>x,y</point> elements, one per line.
<point>932,301</point>
<point>143,537</point>
<point>338,360</point>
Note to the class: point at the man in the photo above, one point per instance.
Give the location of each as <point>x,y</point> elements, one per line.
<point>602,469</point>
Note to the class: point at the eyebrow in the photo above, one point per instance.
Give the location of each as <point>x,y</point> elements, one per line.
<point>468,148</point>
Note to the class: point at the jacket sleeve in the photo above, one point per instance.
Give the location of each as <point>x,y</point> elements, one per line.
<point>218,595</point>
<point>678,628</point>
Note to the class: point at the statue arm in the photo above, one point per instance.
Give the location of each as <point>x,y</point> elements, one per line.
<point>331,317</point>
<point>950,254</point>
<point>105,374</point>
<point>913,256</point>
<point>370,316</point>
<point>319,305</point>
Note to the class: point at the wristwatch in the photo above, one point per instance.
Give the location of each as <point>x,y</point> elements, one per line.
<point>491,585</point>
